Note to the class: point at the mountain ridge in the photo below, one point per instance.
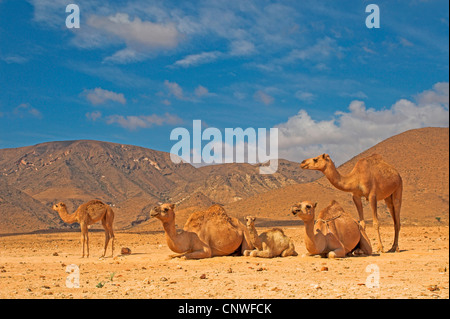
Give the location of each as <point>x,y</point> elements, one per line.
<point>129,178</point>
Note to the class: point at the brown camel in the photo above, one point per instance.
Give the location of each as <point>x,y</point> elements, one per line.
<point>206,233</point>
<point>88,214</point>
<point>372,178</point>
<point>271,243</point>
<point>334,234</point>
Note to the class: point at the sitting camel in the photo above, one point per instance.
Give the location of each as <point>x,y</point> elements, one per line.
<point>271,243</point>
<point>88,214</point>
<point>372,178</point>
<point>334,234</point>
<point>206,233</point>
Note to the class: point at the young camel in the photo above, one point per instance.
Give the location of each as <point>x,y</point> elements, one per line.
<point>206,233</point>
<point>334,234</point>
<point>88,214</point>
<point>269,244</point>
<point>372,178</point>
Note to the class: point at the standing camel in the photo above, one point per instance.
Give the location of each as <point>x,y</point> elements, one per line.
<point>88,214</point>
<point>372,178</point>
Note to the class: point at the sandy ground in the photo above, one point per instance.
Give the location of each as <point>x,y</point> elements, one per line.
<point>34,266</point>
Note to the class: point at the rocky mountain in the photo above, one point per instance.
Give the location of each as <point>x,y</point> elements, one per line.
<point>132,179</point>
<point>129,178</point>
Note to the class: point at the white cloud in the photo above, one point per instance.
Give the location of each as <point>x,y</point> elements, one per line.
<point>241,48</point>
<point>99,96</point>
<point>263,97</point>
<point>356,95</point>
<point>201,91</point>
<point>350,132</point>
<point>133,122</point>
<point>323,49</point>
<point>198,59</point>
<point>25,109</point>
<point>93,116</point>
<point>175,89</point>
<point>16,59</point>
<point>140,38</point>
<point>137,32</point>
<point>305,96</point>
<point>436,96</point>
<point>125,56</point>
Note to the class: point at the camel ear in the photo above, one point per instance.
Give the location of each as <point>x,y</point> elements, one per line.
<point>172,206</point>
<point>253,218</point>
<point>315,205</point>
<point>326,157</point>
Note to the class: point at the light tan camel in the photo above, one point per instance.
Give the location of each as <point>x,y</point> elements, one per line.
<point>372,178</point>
<point>206,233</point>
<point>269,244</point>
<point>334,234</point>
<point>88,214</point>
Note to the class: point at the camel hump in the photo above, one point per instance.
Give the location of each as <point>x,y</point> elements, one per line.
<point>334,210</point>
<point>374,158</point>
<point>215,212</point>
<point>95,202</point>
<point>333,202</point>
<point>278,230</point>
<point>216,208</point>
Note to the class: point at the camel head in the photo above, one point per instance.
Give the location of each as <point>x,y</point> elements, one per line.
<point>164,212</point>
<point>250,221</point>
<point>59,206</point>
<point>317,163</point>
<point>304,210</point>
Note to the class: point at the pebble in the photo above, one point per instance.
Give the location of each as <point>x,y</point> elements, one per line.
<point>433,288</point>
<point>125,251</point>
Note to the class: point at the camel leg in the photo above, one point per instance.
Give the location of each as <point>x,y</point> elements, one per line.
<point>246,242</point>
<point>262,253</point>
<point>109,234</point>
<point>359,208</point>
<point>337,253</point>
<point>337,249</point>
<point>84,239</point>
<point>248,252</point>
<point>106,242</point>
<point>87,243</point>
<point>364,243</point>
<point>373,205</point>
<point>199,254</point>
<point>394,203</point>
<point>290,251</point>
<point>109,222</point>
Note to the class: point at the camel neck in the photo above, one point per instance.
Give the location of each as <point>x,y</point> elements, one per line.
<point>254,237</point>
<point>175,241</point>
<point>169,228</point>
<point>343,183</point>
<point>68,218</point>
<point>310,237</point>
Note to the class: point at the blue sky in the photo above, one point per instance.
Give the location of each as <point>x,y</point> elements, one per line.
<point>135,70</point>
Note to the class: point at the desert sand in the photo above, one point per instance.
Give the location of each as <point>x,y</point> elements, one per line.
<point>34,266</point>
